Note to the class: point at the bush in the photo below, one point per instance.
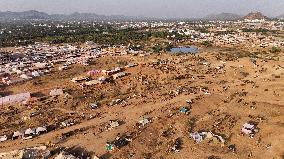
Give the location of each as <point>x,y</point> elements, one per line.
<point>207,43</point>
<point>275,49</point>
<point>122,63</point>
<point>157,48</point>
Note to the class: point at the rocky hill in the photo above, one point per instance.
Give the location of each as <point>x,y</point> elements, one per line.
<point>254,16</point>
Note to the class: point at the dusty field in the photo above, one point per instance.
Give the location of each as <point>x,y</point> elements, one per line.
<point>238,93</point>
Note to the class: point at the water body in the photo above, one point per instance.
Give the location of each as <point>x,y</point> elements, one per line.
<point>191,50</point>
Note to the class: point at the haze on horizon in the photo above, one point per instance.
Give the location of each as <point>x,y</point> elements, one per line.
<point>148,8</point>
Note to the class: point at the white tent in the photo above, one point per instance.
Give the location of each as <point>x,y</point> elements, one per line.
<point>17,134</point>
<point>15,98</point>
<point>35,74</point>
<point>3,138</point>
<point>24,76</point>
<point>40,130</point>
<point>93,82</point>
<point>29,131</point>
<point>56,92</point>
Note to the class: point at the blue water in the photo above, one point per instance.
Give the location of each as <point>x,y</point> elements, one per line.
<point>191,50</point>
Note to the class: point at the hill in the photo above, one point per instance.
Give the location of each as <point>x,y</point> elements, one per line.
<point>36,15</point>
<point>31,14</point>
<point>222,16</point>
<point>254,16</point>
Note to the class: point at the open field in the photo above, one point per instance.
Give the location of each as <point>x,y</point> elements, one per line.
<point>226,92</point>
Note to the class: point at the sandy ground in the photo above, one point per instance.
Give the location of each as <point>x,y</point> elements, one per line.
<point>240,92</point>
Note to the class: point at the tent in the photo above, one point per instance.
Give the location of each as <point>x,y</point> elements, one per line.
<point>3,138</point>
<point>35,74</point>
<point>93,82</point>
<point>24,76</point>
<point>120,74</point>
<point>16,135</point>
<point>40,130</point>
<point>15,98</point>
<point>29,132</point>
<point>56,92</point>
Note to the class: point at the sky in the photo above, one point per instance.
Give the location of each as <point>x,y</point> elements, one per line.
<point>148,8</point>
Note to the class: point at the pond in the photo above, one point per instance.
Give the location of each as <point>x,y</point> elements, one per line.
<point>191,50</point>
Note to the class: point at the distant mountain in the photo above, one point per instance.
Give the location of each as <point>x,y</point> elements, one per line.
<point>36,15</point>
<point>280,16</point>
<point>88,16</point>
<point>223,16</point>
<point>31,14</point>
<point>254,16</point>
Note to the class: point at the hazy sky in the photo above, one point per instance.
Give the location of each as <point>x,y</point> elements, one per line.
<point>150,8</point>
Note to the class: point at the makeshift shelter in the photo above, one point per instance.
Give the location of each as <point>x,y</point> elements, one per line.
<point>249,129</point>
<point>29,133</point>
<point>3,138</point>
<point>16,135</point>
<point>144,121</point>
<point>113,124</point>
<point>115,101</point>
<point>40,65</point>
<point>56,92</point>
<point>64,155</point>
<point>93,72</point>
<point>177,146</point>
<point>131,65</point>
<point>184,110</point>
<point>79,79</point>
<point>61,68</point>
<point>94,105</point>
<point>35,74</point>
<point>110,72</point>
<point>93,82</point>
<point>41,130</point>
<point>15,98</point>
<point>199,137</point>
<point>109,147</point>
<point>103,79</point>
<point>122,141</point>
<point>119,75</point>
<point>67,123</point>
<point>24,76</point>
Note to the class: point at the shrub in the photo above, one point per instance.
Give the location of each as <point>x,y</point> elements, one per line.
<point>275,49</point>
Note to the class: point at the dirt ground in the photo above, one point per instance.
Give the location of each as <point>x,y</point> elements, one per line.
<point>226,92</point>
